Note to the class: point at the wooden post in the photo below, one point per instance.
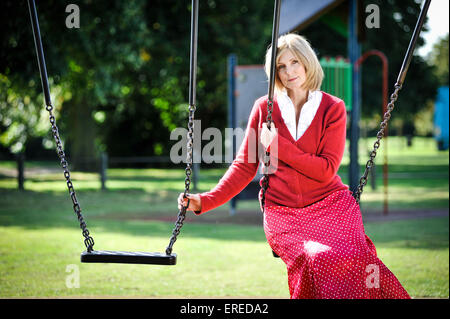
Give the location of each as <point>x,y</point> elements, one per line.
<point>373,176</point>
<point>354,51</point>
<point>103,169</point>
<point>196,171</point>
<point>20,171</point>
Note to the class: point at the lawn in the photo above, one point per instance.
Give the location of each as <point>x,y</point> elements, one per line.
<point>40,241</point>
<point>213,260</point>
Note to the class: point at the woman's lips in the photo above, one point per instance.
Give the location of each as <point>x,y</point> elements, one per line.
<point>290,80</point>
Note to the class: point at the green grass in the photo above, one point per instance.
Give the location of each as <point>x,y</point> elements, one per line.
<point>225,260</point>
<point>39,236</point>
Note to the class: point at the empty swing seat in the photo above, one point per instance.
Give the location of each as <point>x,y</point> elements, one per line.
<point>125,257</point>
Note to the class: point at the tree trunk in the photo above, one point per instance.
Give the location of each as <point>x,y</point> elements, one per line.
<point>81,135</point>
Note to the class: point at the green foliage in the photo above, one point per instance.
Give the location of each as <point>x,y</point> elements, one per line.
<point>397,21</point>
<point>157,102</point>
<point>439,60</point>
<point>21,114</point>
<point>120,81</point>
<point>86,63</point>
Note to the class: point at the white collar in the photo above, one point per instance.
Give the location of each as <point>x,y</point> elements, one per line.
<point>307,113</point>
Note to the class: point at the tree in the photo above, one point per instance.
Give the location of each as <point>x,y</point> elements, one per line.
<point>21,115</point>
<point>158,102</point>
<point>439,60</point>
<point>120,82</point>
<point>397,21</point>
<point>84,63</point>
<point>124,73</point>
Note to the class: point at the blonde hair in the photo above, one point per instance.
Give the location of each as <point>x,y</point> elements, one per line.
<point>301,48</point>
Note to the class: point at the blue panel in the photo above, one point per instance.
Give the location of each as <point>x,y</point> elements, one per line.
<point>441,117</point>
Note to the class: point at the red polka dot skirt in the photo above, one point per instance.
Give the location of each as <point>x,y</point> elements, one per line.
<point>327,253</point>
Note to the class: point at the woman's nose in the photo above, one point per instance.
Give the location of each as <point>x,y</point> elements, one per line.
<point>288,71</point>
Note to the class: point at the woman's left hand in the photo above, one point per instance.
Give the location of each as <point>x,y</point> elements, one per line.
<point>195,202</point>
<point>267,135</point>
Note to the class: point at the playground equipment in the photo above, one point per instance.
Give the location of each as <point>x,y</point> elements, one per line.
<point>169,258</point>
<point>101,256</point>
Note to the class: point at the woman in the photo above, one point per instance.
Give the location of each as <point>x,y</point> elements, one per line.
<point>311,219</point>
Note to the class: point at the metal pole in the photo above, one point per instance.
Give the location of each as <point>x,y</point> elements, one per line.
<point>354,53</point>
<point>385,64</point>
<point>232,62</point>
<point>275,28</point>
<point>193,56</point>
<point>192,91</point>
<point>412,43</point>
<point>385,164</point>
<point>39,51</point>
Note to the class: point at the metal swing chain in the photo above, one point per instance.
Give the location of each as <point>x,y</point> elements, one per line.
<point>187,181</point>
<point>376,145</point>
<point>266,159</point>
<point>88,240</point>
<point>398,85</point>
<point>265,180</point>
<point>190,144</point>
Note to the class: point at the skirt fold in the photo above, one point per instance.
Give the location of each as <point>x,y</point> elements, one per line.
<point>327,253</point>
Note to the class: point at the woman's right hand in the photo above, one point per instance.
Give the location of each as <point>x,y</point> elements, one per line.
<point>267,135</point>
<point>195,202</point>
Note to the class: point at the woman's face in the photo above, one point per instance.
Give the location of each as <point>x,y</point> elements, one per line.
<point>291,71</point>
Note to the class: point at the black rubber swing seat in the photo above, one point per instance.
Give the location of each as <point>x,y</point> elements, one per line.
<point>125,257</point>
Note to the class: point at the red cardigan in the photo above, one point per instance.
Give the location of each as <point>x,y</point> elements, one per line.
<point>305,169</point>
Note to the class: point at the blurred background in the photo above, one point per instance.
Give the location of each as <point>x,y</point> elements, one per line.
<point>119,85</point>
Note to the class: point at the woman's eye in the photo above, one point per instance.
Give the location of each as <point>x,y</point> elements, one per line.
<point>280,67</point>
<point>294,62</point>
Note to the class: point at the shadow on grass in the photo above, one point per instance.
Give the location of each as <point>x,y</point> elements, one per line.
<point>41,210</point>
<point>429,233</point>
<point>35,210</point>
<point>48,178</point>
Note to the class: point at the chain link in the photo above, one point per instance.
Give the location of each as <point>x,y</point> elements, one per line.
<point>88,240</point>
<point>187,181</point>
<point>376,145</point>
<point>265,179</point>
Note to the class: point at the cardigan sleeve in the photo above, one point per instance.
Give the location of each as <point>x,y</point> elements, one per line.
<point>323,166</point>
<point>241,171</point>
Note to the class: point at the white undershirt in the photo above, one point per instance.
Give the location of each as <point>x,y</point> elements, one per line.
<point>307,112</point>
